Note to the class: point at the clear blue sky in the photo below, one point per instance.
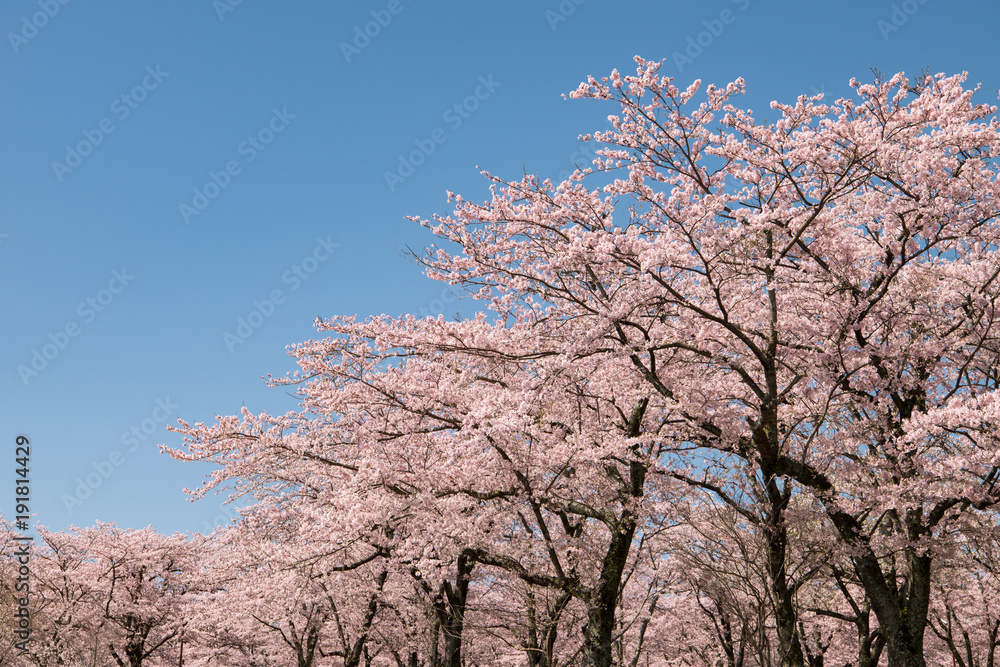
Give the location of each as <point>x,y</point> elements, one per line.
<point>115,114</point>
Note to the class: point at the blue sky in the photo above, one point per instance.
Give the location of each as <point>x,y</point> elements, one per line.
<point>170,169</point>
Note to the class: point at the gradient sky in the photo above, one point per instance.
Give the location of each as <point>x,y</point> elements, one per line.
<point>117,116</point>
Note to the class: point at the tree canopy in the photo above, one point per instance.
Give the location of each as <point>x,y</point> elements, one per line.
<point>731,399</point>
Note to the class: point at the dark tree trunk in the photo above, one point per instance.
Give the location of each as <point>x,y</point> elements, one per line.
<point>540,647</point>
<point>602,603</point>
<point>357,651</point>
<point>785,616</point>
<point>453,616</point>
<point>901,613</point>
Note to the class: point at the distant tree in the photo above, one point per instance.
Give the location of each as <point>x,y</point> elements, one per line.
<point>114,596</point>
<point>964,618</point>
<point>268,601</point>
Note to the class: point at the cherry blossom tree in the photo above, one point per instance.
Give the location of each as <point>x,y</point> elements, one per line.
<point>815,296</point>
<point>792,319</point>
<point>964,618</point>
<point>122,590</point>
<point>66,629</point>
<point>529,494</point>
<point>265,602</point>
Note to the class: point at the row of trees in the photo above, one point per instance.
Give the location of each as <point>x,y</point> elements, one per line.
<point>107,596</point>
<point>697,594</point>
<point>732,400</point>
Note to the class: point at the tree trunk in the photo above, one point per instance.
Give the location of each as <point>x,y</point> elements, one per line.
<point>602,603</point>
<point>768,445</point>
<point>602,600</point>
<point>902,614</point>
<point>785,616</point>
<point>352,657</point>
<point>453,619</point>
<point>540,647</point>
